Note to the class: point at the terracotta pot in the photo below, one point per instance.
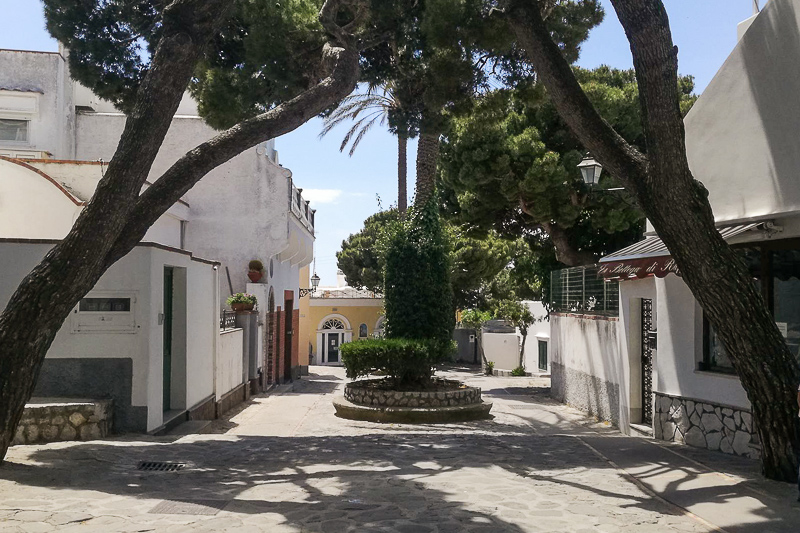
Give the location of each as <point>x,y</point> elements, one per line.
<point>254,275</point>
<point>242,307</point>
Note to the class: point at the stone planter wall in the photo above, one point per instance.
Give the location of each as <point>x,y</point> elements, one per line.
<point>360,394</point>
<point>64,420</point>
<point>705,425</point>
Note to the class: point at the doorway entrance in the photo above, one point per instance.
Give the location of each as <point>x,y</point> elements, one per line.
<point>167,335</point>
<point>287,346</point>
<point>332,333</point>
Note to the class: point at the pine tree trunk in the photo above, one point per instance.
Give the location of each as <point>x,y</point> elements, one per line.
<point>678,208</point>
<point>402,174</point>
<point>427,156</point>
<point>41,303</point>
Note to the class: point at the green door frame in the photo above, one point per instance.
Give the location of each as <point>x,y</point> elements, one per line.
<point>167,335</point>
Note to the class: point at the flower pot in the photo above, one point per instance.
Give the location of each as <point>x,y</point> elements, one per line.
<point>242,307</point>
<point>254,275</point>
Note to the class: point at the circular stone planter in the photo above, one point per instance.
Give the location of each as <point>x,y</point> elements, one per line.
<point>364,401</point>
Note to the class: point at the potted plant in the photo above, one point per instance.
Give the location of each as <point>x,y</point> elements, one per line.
<point>241,301</point>
<point>255,270</point>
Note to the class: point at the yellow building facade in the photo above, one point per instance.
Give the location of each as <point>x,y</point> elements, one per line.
<point>335,316</point>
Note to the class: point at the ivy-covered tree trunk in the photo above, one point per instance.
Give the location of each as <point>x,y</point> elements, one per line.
<point>427,155</point>
<point>402,173</point>
<point>119,215</point>
<point>678,208</point>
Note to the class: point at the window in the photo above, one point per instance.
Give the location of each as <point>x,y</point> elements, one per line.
<point>775,267</point>
<point>362,330</point>
<point>13,130</point>
<point>105,313</point>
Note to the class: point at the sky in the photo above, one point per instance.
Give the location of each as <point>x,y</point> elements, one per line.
<point>345,190</point>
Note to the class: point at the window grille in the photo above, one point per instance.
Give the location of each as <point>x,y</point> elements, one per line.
<point>582,290</point>
<point>333,323</point>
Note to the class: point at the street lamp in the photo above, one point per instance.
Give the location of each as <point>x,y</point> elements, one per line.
<point>314,285</point>
<point>590,170</point>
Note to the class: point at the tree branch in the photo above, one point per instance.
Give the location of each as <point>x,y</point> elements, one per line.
<point>620,158</point>
<point>190,168</point>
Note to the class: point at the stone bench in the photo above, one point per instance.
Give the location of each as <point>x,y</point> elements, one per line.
<point>64,419</point>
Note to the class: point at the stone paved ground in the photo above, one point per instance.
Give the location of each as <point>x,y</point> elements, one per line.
<point>286,463</point>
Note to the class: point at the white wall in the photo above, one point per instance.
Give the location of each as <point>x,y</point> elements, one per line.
<point>502,349</point>
<point>31,206</point>
<point>680,347</point>
<point>741,134</point>
<point>129,275</point>
<point>229,361</point>
<point>43,76</point>
<point>140,275</point>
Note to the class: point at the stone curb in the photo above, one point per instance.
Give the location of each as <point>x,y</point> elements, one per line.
<point>411,415</point>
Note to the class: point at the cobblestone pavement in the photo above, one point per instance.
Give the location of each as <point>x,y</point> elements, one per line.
<point>286,463</point>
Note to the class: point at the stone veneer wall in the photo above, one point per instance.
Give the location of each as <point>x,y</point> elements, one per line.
<point>583,391</point>
<point>705,425</point>
<point>64,420</point>
<point>361,395</point>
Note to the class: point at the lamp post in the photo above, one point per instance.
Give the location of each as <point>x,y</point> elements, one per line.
<point>314,285</point>
<point>590,170</point>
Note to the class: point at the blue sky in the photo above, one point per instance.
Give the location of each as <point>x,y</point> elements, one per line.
<point>343,189</point>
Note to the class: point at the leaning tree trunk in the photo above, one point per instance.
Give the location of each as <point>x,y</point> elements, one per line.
<point>41,303</point>
<point>118,216</point>
<point>402,174</point>
<point>678,208</point>
<point>427,156</point>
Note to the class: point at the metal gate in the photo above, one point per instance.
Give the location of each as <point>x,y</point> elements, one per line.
<point>648,345</point>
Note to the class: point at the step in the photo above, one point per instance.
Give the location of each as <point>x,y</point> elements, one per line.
<point>641,430</point>
<point>190,427</point>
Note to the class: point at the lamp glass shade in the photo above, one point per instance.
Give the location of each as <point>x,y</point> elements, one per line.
<point>315,280</point>
<point>590,170</point>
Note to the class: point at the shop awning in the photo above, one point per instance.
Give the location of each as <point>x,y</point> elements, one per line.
<point>650,257</point>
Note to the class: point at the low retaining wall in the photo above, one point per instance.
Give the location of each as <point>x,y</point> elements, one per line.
<point>361,394</point>
<point>50,420</point>
<point>702,424</point>
<point>583,391</point>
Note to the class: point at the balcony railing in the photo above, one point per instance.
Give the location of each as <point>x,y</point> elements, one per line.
<point>299,206</point>
<point>227,320</point>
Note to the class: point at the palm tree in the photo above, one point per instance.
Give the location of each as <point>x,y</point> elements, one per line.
<point>376,105</point>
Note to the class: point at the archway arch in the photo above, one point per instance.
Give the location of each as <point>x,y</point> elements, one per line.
<point>332,331</point>
<point>379,325</point>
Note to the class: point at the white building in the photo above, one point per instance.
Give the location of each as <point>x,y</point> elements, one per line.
<point>659,362</point>
<point>56,138</point>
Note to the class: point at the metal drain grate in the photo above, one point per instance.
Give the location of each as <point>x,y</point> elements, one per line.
<point>160,466</point>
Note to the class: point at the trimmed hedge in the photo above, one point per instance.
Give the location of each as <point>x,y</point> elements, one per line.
<point>403,360</point>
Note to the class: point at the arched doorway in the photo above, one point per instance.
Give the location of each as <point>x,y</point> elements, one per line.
<point>333,331</point>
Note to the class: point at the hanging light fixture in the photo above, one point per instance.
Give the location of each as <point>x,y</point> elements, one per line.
<point>590,170</point>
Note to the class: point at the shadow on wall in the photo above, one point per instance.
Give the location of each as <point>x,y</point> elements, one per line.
<point>777,53</point>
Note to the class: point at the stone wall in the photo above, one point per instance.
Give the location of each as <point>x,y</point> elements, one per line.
<point>705,425</point>
<point>104,378</point>
<point>360,394</point>
<point>49,420</point>
<point>588,393</point>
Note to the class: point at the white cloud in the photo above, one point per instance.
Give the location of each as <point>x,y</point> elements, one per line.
<point>322,196</point>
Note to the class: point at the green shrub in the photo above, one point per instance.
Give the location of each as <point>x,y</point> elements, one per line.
<point>255,265</point>
<point>241,298</point>
<point>489,368</point>
<point>417,291</point>
<point>519,372</point>
<point>403,360</point>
